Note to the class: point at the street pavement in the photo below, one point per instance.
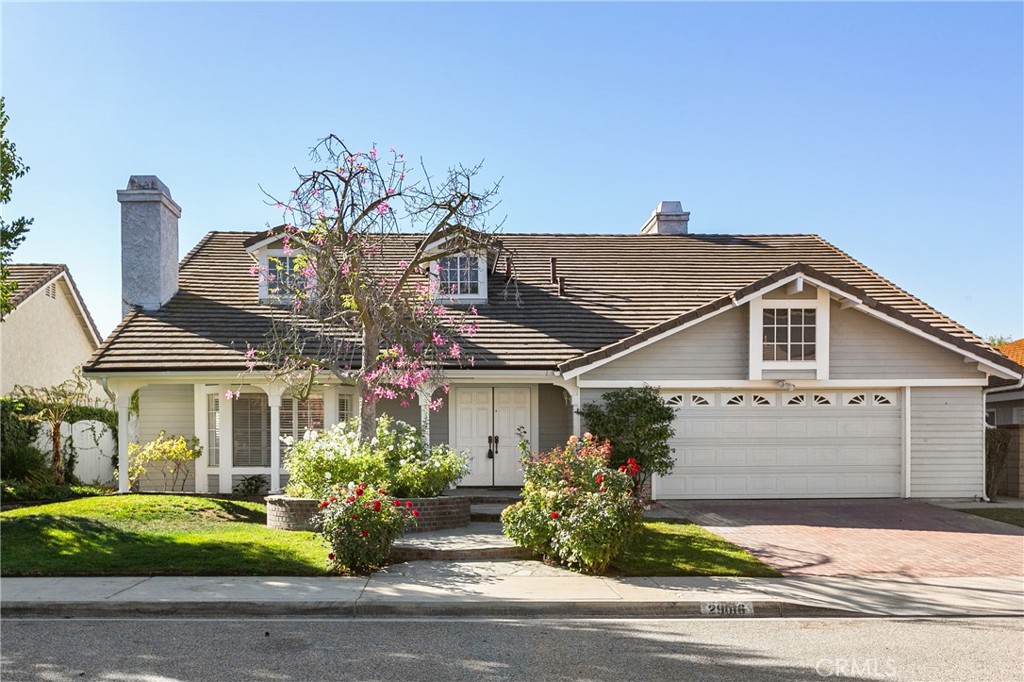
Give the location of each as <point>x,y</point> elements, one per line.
<point>482,650</point>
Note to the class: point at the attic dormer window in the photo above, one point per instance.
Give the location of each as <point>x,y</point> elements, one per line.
<point>280,276</point>
<point>459,277</point>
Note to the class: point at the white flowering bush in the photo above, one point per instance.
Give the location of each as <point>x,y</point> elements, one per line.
<point>395,458</point>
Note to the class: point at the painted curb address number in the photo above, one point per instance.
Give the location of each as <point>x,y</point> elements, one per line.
<point>726,608</point>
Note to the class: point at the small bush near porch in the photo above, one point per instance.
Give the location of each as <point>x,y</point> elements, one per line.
<point>153,535</point>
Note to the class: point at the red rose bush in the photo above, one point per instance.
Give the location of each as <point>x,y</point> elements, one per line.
<point>576,509</point>
<point>360,523</point>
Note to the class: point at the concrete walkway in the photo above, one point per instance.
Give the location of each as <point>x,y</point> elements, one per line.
<point>507,588</point>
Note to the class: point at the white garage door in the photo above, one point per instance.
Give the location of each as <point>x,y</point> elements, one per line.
<point>731,445</point>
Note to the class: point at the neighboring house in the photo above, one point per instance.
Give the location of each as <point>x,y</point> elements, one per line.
<point>1005,404</point>
<point>50,331</point>
<point>795,370</point>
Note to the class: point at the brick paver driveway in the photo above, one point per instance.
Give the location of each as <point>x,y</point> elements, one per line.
<point>867,538</point>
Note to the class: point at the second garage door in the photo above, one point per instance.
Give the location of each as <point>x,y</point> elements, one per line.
<point>785,444</point>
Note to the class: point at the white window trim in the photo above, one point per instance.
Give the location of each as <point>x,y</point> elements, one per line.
<point>479,297</point>
<point>820,365</point>
<point>263,258</point>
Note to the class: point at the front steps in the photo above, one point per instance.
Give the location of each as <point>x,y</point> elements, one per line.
<point>481,540</point>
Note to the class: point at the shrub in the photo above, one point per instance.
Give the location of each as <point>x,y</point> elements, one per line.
<point>15,431</point>
<point>172,457</point>
<point>360,523</point>
<point>252,485</point>
<point>997,446</point>
<point>24,463</point>
<point>395,458</point>
<point>576,509</point>
<point>19,492</point>
<point>638,422</point>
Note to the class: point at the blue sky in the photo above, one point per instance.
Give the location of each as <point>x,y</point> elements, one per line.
<point>896,131</point>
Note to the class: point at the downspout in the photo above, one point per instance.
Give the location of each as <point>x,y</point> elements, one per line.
<point>984,394</point>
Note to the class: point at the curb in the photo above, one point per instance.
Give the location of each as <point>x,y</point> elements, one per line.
<point>411,609</point>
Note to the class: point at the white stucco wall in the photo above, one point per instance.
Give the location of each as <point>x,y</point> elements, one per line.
<point>42,341</point>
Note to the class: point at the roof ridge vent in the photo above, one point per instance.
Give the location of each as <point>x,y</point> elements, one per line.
<point>668,218</point>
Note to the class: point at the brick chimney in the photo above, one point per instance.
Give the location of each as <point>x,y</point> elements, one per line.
<point>149,243</point>
<point>668,218</point>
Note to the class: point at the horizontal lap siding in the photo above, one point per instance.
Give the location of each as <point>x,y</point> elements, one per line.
<point>865,348</point>
<point>167,408</point>
<point>410,414</point>
<point>947,440</point>
<point>714,349</point>
<point>555,418</point>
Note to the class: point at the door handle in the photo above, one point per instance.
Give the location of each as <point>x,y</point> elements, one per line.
<point>495,441</point>
<point>490,453</point>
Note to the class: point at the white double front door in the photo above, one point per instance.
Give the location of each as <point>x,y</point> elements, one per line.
<point>486,421</point>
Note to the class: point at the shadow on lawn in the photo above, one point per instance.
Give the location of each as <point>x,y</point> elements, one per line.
<point>54,545</point>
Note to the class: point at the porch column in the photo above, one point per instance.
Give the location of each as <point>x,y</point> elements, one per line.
<point>423,394</point>
<point>227,439</point>
<point>123,403</point>
<point>274,400</point>
<point>577,421</point>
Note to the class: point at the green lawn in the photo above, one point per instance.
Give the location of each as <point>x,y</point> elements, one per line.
<point>1011,516</point>
<point>667,548</point>
<point>186,535</point>
<point>153,535</point>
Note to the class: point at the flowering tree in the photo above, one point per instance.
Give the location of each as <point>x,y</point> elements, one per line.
<point>358,297</point>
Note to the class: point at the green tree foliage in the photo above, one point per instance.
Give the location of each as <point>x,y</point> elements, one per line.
<point>638,422</point>
<point>996,340</point>
<point>11,233</point>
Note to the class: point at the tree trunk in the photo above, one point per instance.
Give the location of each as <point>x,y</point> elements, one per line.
<point>58,456</point>
<point>367,410</point>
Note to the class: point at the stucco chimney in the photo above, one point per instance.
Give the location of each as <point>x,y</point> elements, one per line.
<point>668,218</point>
<point>149,243</point>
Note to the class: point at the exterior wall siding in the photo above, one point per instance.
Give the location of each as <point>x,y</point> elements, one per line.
<point>166,407</point>
<point>947,441</point>
<point>555,418</point>
<point>714,349</point>
<point>865,348</point>
<point>410,414</point>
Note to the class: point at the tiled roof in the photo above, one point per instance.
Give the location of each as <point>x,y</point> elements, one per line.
<point>1013,350</point>
<point>31,277</point>
<point>616,286</point>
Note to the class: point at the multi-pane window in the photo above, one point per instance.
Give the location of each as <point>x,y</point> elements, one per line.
<point>346,409</point>
<point>789,334</point>
<point>280,276</point>
<point>459,275</point>
<point>250,430</point>
<point>299,416</point>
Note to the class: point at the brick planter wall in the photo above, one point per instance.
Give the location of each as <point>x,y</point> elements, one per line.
<point>290,513</point>
<point>439,513</point>
<point>436,513</point>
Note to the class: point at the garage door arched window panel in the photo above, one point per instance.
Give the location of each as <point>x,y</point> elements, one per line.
<point>701,400</point>
<point>676,401</point>
<point>762,400</point>
<point>823,399</point>
<point>736,400</point>
<point>856,399</point>
<point>883,399</point>
<point>797,400</point>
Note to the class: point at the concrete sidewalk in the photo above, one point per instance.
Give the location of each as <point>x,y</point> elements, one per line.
<point>507,588</point>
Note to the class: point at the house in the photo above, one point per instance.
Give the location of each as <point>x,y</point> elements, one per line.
<point>796,371</point>
<point>49,333</point>
<point>1005,408</point>
<point>1005,402</point>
